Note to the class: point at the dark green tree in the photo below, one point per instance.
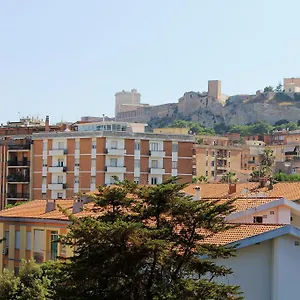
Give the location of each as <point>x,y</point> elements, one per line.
<point>268,89</point>
<point>146,243</point>
<point>279,88</point>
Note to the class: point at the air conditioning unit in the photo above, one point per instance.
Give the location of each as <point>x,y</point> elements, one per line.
<point>5,251</point>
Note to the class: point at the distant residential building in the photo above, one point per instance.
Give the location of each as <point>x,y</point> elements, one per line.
<point>66,163</point>
<point>215,156</point>
<point>171,130</point>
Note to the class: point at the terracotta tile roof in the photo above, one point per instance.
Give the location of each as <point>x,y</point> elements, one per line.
<point>288,190</point>
<point>36,210</point>
<point>219,190</point>
<point>240,232</point>
<point>242,204</point>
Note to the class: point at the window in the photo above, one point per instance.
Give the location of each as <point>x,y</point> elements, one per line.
<point>213,163</point>
<point>137,146</point>
<point>206,163</point>
<point>28,240</point>
<point>60,162</point>
<point>16,271</point>
<point>213,173</point>
<point>76,162</point>
<point>229,164</point>
<point>213,153</point>
<point>60,179</point>
<point>206,173</point>
<point>77,145</point>
<point>154,180</point>
<point>174,147</point>
<point>93,144</point>
<point>214,143</point>
<point>206,152</point>
<point>174,164</point>
<point>253,158</point>
<point>17,236</point>
<point>54,245</point>
<point>60,195</point>
<point>38,245</point>
<point>61,145</point>
<point>93,180</point>
<point>257,219</point>
<point>136,180</point>
<point>136,163</point>
<point>154,164</point>
<point>114,145</point>
<point>76,179</point>
<point>93,163</point>
<point>154,146</point>
<point>113,162</point>
<point>6,238</point>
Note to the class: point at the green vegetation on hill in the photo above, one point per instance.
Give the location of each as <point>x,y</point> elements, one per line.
<point>286,177</point>
<point>258,128</point>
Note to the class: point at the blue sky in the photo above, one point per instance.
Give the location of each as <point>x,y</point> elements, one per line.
<point>67,58</point>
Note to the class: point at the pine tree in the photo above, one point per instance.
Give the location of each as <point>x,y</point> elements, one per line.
<point>146,242</point>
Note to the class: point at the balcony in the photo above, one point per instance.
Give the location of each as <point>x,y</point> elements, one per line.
<point>117,152</point>
<point>57,169</point>
<point>18,178</point>
<point>115,169</point>
<point>157,171</point>
<point>58,152</point>
<point>19,147</point>
<point>157,153</point>
<point>14,163</point>
<point>57,186</point>
<point>17,196</point>
<point>251,162</point>
<point>222,167</point>
<point>221,156</point>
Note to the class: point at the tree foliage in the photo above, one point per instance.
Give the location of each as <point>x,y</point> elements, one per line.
<point>229,177</point>
<point>200,179</point>
<point>30,284</point>
<point>147,243</point>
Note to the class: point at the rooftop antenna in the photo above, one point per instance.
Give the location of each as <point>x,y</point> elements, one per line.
<point>103,117</point>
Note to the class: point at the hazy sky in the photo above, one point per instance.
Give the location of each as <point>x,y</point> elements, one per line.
<point>67,58</point>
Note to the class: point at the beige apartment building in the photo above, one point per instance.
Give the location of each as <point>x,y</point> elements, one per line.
<point>215,156</point>
<point>66,163</point>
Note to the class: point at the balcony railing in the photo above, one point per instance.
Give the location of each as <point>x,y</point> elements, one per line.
<point>251,162</point>
<point>17,178</point>
<point>19,147</point>
<point>15,163</point>
<point>17,196</point>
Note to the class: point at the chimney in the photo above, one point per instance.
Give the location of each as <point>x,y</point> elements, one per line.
<point>50,205</point>
<point>47,125</point>
<point>232,188</point>
<point>79,203</point>
<point>198,193</point>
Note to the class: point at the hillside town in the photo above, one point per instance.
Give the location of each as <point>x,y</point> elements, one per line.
<point>47,167</point>
<point>149,150</point>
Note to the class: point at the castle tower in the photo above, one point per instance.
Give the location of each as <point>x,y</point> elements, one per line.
<point>127,101</point>
<point>214,89</point>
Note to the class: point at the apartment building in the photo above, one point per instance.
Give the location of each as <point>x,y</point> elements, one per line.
<point>215,156</point>
<point>66,163</point>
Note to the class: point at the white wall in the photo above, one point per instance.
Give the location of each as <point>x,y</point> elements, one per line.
<point>276,215</point>
<point>286,268</point>
<point>296,221</point>
<point>251,270</point>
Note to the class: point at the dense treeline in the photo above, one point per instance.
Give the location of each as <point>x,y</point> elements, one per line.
<point>258,128</point>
